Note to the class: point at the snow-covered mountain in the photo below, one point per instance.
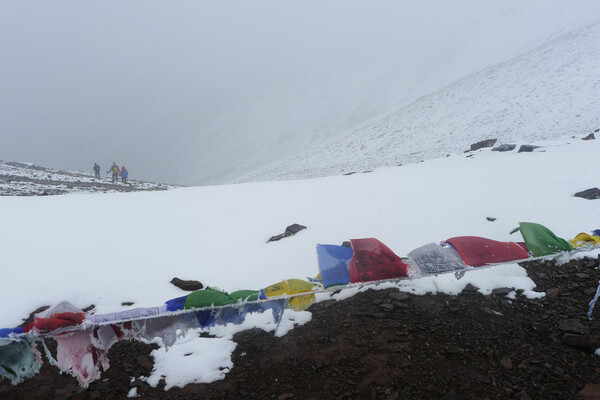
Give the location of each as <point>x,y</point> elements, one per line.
<point>27,179</point>
<point>548,93</point>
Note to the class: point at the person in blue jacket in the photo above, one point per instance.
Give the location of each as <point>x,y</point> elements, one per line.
<point>124,175</point>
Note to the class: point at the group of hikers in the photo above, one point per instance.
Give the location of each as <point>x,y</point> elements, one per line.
<point>116,172</point>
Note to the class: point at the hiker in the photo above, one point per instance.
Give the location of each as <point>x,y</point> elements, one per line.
<point>124,175</point>
<point>96,171</point>
<point>115,172</point>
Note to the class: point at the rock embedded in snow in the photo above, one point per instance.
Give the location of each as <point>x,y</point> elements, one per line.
<point>188,285</point>
<point>289,231</point>
<point>589,194</point>
<point>589,137</point>
<point>483,144</point>
<point>527,148</point>
<point>505,147</point>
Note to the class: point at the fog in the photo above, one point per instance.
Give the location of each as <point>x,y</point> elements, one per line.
<point>198,92</point>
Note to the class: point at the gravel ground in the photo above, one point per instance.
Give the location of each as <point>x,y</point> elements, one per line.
<point>388,345</point>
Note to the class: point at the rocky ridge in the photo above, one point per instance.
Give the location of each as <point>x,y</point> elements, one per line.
<point>26,179</point>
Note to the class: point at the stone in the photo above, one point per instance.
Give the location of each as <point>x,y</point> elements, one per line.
<point>506,363</point>
<point>591,391</point>
<point>527,148</point>
<point>399,296</point>
<point>291,230</point>
<point>187,285</point>
<point>483,144</point>
<point>553,293</point>
<point>145,363</point>
<point>491,219</point>
<point>455,350</point>
<point>589,194</point>
<point>505,147</point>
<point>572,326</point>
<point>502,291</point>
<point>584,342</point>
<point>470,289</point>
<point>294,228</point>
<point>589,137</point>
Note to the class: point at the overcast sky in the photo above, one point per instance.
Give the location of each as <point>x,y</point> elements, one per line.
<point>195,92</point>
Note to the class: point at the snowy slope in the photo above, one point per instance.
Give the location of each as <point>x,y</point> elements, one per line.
<point>548,93</point>
<point>108,248</point>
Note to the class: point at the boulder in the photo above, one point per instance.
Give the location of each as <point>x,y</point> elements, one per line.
<point>527,148</point>
<point>589,194</point>
<point>589,137</point>
<point>289,231</point>
<point>294,228</point>
<point>483,143</point>
<point>189,285</point>
<point>505,147</point>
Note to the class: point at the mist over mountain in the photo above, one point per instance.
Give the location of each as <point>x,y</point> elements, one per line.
<point>207,92</point>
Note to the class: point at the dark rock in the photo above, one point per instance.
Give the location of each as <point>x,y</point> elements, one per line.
<point>502,291</point>
<point>455,350</point>
<point>89,308</point>
<point>483,143</point>
<point>127,303</point>
<point>527,148</point>
<point>589,137</point>
<point>491,219</point>
<point>573,326</point>
<point>553,293</point>
<point>399,296</point>
<point>470,289</point>
<point>584,342</point>
<point>279,237</point>
<point>95,395</point>
<point>451,395</point>
<point>188,285</point>
<point>524,396</point>
<point>289,231</point>
<point>145,363</point>
<point>589,194</point>
<point>294,228</point>
<point>505,147</point>
<point>506,363</point>
<point>591,391</point>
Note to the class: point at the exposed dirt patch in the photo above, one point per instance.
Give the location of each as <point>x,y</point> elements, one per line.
<point>377,346</point>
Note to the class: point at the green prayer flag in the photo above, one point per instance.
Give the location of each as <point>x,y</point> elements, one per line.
<point>541,241</point>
